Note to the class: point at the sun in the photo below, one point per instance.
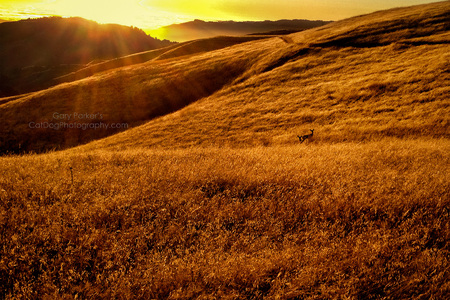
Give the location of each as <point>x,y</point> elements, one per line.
<point>126,12</point>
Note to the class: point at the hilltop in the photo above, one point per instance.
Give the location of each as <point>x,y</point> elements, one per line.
<point>39,50</point>
<point>199,29</point>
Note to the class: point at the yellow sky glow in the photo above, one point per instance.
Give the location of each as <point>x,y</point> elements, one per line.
<point>151,14</point>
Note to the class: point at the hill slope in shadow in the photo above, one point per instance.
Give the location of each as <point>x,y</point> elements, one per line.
<point>38,50</point>
<point>365,78</point>
<point>128,96</point>
<point>176,50</point>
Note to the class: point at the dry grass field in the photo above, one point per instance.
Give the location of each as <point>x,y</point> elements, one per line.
<point>209,195</point>
<point>346,220</point>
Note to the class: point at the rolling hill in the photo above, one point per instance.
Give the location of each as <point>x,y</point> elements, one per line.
<point>181,49</point>
<point>199,29</point>
<point>368,77</point>
<point>39,50</point>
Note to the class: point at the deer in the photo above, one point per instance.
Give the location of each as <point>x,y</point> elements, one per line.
<point>305,137</point>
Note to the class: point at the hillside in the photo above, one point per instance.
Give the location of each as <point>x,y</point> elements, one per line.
<point>384,74</point>
<point>176,50</point>
<point>199,29</point>
<point>365,78</point>
<point>39,50</point>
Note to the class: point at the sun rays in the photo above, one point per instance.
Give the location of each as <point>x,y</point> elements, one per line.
<point>126,12</point>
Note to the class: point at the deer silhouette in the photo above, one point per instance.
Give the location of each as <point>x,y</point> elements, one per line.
<point>302,138</point>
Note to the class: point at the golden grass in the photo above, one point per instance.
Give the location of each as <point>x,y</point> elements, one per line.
<point>344,94</point>
<point>324,221</point>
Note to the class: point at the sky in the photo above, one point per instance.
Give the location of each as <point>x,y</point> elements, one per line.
<point>152,14</point>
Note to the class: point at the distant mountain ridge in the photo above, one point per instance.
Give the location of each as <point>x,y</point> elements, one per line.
<point>34,51</point>
<point>199,29</point>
